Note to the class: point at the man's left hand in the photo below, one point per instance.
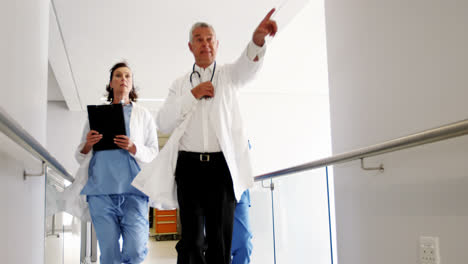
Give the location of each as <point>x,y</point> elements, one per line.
<point>266,27</point>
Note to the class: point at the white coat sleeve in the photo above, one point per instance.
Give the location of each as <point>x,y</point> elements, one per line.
<point>146,151</point>
<point>246,67</point>
<point>178,104</point>
<point>80,157</point>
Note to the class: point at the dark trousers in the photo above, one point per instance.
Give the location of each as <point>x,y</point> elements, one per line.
<point>207,203</point>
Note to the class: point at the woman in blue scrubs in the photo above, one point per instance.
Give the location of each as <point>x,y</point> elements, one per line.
<point>117,209</point>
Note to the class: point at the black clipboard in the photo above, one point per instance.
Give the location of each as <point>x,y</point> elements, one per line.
<point>109,121</point>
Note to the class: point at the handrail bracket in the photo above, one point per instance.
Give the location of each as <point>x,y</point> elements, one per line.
<point>380,168</point>
<point>26,174</point>
<point>271,187</point>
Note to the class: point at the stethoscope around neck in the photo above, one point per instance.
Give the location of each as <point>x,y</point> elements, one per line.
<point>199,75</point>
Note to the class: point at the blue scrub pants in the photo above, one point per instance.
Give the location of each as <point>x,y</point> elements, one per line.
<point>118,215</point>
<point>242,235</point>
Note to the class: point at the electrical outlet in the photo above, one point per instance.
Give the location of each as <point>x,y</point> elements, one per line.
<point>429,250</point>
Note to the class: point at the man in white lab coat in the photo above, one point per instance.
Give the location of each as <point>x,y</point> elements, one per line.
<point>205,164</point>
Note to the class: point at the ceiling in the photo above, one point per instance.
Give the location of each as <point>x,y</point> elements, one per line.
<point>87,37</point>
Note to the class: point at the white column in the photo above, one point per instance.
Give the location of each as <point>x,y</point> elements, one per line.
<point>24,53</point>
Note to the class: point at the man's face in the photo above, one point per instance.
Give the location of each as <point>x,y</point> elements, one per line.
<point>204,46</point>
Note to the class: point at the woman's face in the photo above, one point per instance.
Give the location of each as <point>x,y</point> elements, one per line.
<point>122,81</point>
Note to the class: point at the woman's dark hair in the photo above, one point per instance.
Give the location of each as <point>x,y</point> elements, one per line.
<point>110,92</point>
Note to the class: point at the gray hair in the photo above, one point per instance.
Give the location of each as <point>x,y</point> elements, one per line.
<point>197,25</point>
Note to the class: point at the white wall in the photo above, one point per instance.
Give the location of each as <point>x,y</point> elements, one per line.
<point>23,49</point>
<point>286,114</point>
<point>395,68</point>
<point>285,108</point>
<point>64,132</point>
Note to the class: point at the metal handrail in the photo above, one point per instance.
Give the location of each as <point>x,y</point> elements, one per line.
<point>15,132</point>
<point>428,136</point>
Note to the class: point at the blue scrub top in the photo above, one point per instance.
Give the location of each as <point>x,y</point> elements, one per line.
<point>112,171</point>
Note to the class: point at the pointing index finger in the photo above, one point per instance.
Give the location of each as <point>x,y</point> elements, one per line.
<point>268,16</point>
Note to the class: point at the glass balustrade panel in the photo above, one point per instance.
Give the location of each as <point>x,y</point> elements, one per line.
<point>261,220</point>
<point>63,231</point>
<point>301,218</point>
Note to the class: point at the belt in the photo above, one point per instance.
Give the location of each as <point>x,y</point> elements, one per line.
<point>202,157</point>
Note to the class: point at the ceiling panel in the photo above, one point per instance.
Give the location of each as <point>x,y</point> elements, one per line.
<point>152,36</point>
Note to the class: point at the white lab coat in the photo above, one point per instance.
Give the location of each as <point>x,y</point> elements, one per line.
<point>157,180</point>
<point>142,134</point>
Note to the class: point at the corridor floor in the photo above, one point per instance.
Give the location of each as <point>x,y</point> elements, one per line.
<point>159,252</point>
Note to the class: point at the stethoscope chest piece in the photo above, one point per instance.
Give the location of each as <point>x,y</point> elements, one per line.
<point>199,75</point>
